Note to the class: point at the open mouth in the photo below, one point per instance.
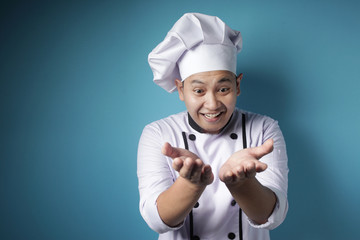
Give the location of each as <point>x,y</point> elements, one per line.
<point>212,115</point>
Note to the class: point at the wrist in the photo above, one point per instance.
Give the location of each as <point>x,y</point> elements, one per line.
<point>195,187</point>
<point>241,186</point>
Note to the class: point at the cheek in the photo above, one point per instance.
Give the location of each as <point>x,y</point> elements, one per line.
<point>192,103</point>
<point>230,101</point>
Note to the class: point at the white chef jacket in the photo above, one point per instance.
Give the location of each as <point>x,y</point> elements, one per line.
<point>216,215</point>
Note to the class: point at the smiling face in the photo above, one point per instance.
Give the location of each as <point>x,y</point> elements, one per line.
<point>210,98</point>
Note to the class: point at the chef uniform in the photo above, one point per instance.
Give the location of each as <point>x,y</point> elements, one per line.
<point>216,215</point>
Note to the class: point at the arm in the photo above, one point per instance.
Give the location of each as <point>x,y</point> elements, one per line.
<point>238,173</point>
<point>156,167</point>
<point>175,203</point>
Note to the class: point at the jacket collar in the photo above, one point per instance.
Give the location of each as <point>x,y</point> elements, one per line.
<point>197,128</point>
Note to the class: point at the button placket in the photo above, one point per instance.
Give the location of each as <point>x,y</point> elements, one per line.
<point>232,235</point>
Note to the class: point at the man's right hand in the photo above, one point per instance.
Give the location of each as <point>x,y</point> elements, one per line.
<point>189,165</point>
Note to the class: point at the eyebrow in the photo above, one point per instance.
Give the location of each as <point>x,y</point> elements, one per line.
<point>196,81</point>
<point>224,80</point>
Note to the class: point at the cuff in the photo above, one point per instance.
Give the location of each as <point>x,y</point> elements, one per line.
<point>278,215</point>
<point>152,217</point>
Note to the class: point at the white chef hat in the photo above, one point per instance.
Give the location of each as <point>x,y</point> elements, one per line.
<point>196,43</point>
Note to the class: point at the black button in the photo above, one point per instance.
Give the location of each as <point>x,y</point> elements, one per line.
<point>234,136</point>
<point>192,137</point>
<point>195,238</point>
<point>233,203</point>
<point>231,235</point>
<point>196,205</point>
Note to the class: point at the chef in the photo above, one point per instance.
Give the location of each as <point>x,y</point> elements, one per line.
<point>213,171</point>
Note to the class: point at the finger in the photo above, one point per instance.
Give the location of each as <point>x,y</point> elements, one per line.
<point>207,176</point>
<point>265,148</point>
<point>177,164</point>
<point>174,152</point>
<point>254,167</point>
<point>206,171</point>
<point>196,171</point>
<point>227,177</point>
<point>240,172</point>
<point>170,151</point>
<point>250,170</point>
<point>186,170</point>
<point>260,166</point>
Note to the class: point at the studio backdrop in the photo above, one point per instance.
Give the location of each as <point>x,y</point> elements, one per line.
<point>76,91</point>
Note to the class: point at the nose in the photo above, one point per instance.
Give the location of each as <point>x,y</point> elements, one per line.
<point>211,101</point>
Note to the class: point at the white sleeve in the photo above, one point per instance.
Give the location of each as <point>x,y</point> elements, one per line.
<point>275,177</point>
<point>154,175</point>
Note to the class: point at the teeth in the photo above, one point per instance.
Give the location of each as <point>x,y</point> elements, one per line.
<point>211,115</point>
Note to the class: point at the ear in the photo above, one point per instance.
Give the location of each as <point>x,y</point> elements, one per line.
<point>238,80</point>
<point>180,87</point>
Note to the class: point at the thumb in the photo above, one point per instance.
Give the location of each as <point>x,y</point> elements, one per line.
<point>174,152</point>
<point>170,151</point>
<point>265,148</point>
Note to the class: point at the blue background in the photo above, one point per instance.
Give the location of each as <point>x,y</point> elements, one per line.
<point>76,92</point>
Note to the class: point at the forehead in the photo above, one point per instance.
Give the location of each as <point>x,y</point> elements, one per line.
<point>211,76</point>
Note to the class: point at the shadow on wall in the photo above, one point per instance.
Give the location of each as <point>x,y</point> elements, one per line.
<point>313,212</point>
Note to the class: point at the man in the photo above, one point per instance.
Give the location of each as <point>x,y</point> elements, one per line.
<point>197,178</point>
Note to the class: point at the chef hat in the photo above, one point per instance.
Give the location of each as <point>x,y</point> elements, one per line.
<point>196,43</point>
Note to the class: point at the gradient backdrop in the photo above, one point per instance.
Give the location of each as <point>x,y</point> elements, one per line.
<point>76,92</point>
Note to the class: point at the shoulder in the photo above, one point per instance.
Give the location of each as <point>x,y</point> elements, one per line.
<point>260,127</point>
<point>168,129</point>
<point>167,124</point>
<point>169,121</point>
<point>255,119</point>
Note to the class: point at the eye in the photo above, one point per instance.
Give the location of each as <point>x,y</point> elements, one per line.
<point>198,91</point>
<point>224,89</point>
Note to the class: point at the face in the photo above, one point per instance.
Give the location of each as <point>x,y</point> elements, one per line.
<point>210,98</point>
